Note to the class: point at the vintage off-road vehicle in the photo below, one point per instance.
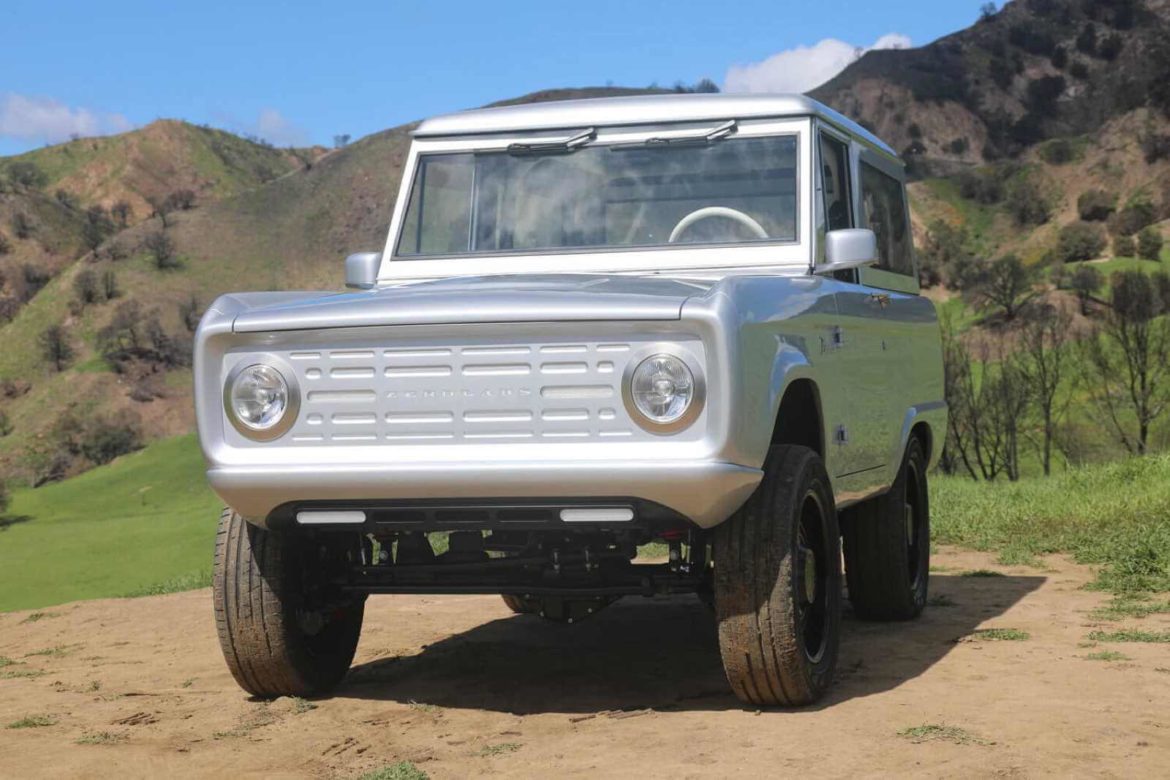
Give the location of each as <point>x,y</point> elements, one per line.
<point>595,324</point>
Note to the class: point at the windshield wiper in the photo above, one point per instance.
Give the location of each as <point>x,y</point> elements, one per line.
<point>555,146</point>
<point>701,138</point>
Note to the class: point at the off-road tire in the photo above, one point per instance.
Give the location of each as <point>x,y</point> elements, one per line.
<point>778,646</point>
<point>887,550</point>
<point>259,586</point>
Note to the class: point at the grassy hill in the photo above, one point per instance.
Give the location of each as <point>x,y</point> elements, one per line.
<point>153,161</point>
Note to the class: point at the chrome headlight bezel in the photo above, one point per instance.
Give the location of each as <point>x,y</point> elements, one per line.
<point>698,399</point>
<point>292,405</point>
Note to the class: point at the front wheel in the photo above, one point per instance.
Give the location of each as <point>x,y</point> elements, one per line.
<point>778,584</point>
<point>282,632</point>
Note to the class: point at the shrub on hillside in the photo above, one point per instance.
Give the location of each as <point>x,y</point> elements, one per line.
<point>1078,70</point>
<point>22,225</point>
<point>1096,205</point>
<point>3,496</point>
<point>34,280</point>
<point>1149,244</point>
<point>1155,145</point>
<point>1058,152</point>
<point>5,424</point>
<point>1044,92</point>
<point>134,338</point>
<point>1124,246</point>
<point>26,174</point>
<point>5,244</point>
<point>1135,216</point>
<point>1110,47</point>
<point>984,185</point>
<point>1079,241</point>
<point>1026,203</point>
<point>98,437</point>
<point>87,288</point>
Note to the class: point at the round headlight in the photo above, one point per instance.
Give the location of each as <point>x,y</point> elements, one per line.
<point>258,397</point>
<point>662,388</point>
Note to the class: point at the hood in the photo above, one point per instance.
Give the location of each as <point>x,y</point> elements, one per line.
<point>529,298</point>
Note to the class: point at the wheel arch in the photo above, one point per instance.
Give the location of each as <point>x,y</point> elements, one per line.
<point>799,416</point>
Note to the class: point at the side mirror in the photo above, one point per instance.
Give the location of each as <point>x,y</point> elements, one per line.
<point>361,270</point>
<point>850,248</point>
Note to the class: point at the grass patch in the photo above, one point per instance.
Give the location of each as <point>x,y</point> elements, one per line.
<point>1130,605</point>
<point>933,732</point>
<point>1109,515</point>
<point>500,749</point>
<point>142,525</point>
<point>53,652</point>
<point>33,722</point>
<point>300,706</point>
<point>193,581</point>
<point>19,674</point>
<point>101,738</point>
<point>1107,655</point>
<point>1131,635</point>
<point>403,770</point>
<point>38,616</point>
<point>6,661</point>
<point>999,635</point>
<point>981,573</point>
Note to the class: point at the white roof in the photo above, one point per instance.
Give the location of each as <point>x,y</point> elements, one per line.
<point>640,109</point>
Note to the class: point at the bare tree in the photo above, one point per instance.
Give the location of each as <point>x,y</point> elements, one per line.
<point>122,212</point>
<point>161,248</point>
<point>55,347</point>
<point>162,208</point>
<point>341,141</point>
<point>1128,359</point>
<point>987,398</point>
<point>1044,365</point>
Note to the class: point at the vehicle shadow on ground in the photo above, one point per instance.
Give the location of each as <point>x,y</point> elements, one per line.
<point>662,655</point>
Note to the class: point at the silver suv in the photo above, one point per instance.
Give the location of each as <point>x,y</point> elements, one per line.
<point>595,324</point>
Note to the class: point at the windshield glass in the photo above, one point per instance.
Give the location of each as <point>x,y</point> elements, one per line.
<point>634,195</point>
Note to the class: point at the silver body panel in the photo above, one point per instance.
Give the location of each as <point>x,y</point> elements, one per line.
<point>509,386</point>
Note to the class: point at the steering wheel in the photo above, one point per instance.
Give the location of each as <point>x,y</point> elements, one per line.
<point>708,212</point>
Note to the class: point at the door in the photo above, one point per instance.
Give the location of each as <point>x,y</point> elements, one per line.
<point>890,290</point>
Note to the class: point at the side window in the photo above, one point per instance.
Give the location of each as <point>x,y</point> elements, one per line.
<point>884,203</point>
<point>835,183</point>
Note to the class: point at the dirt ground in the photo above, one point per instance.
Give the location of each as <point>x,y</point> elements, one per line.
<point>460,687</point>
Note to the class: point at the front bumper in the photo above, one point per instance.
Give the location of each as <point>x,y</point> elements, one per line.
<point>705,492</point>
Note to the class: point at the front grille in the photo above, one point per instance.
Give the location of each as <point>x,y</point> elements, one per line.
<point>472,393</point>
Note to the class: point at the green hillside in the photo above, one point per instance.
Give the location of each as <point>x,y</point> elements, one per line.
<point>143,521</point>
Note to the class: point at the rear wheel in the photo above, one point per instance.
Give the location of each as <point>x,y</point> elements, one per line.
<point>282,632</point>
<point>887,546</point>
<point>521,605</point>
<point>778,584</point>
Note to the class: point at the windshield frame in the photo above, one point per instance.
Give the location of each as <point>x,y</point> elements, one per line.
<point>594,259</point>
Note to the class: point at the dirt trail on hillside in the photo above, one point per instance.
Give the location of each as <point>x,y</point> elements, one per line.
<point>461,688</point>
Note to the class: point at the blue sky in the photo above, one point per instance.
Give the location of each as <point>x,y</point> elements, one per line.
<point>301,72</point>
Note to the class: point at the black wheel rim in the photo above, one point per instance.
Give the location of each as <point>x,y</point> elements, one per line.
<point>812,578</point>
<point>912,508</point>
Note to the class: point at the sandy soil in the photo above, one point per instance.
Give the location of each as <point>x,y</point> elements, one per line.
<point>462,688</point>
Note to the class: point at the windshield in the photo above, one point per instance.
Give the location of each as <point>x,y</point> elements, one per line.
<point>736,190</point>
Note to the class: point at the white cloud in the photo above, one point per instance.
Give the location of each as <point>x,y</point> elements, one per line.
<point>805,67</point>
<point>274,127</point>
<point>41,119</point>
